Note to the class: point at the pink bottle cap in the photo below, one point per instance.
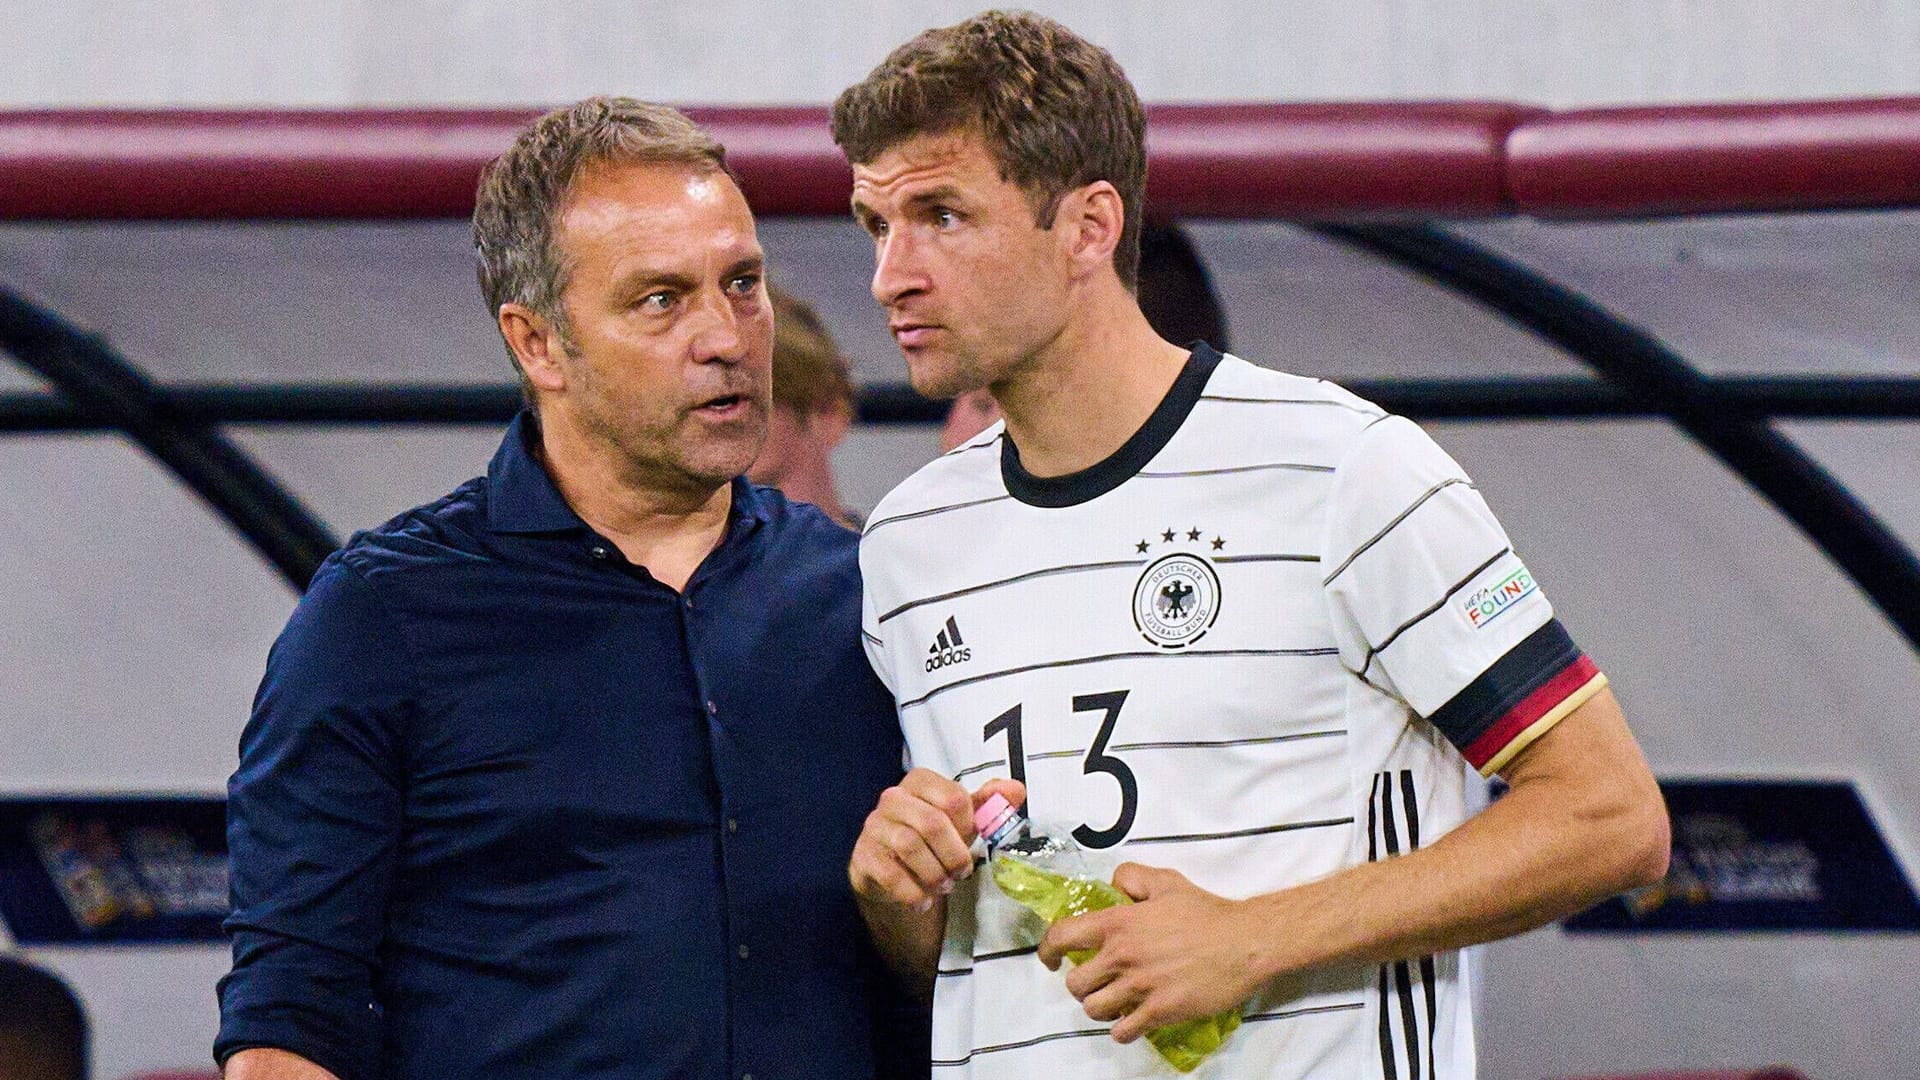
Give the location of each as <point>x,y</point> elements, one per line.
<point>989,815</point>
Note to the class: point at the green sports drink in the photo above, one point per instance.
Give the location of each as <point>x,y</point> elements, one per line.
<point>1042,874</point>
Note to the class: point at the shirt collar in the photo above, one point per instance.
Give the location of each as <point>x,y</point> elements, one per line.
<point>522,498</point>
<point>752,506</point>
<point>1125,463</point>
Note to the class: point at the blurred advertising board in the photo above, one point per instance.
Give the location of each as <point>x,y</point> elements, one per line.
<point>1767,855</point>
<point>113,870</point>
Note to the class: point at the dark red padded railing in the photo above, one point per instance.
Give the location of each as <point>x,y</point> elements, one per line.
<point>1304,161</point>
<point>1330,161</point>
<point>1815,155</point>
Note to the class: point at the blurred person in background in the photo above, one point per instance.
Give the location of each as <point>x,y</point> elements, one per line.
<point>43,1031</point>
<point>557,776</point>
<point>1176,295</point>
<point>813,406</point>
<point>970,414</point>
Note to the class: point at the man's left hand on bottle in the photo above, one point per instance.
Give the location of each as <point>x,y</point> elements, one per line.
<point>1177,953</point>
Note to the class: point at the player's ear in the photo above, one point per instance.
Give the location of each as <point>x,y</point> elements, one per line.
<point>1089,222</point>
<point>536,343</point>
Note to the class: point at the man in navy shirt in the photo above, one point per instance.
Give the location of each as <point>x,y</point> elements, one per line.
<point>557,776</point>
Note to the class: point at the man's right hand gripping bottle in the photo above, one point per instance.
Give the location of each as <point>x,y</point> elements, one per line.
<point>1049,875</point>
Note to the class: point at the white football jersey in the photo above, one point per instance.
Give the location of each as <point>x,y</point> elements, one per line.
<point>1258,644</point>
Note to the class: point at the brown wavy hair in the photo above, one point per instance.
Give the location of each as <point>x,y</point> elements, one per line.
<point>1055,111</point>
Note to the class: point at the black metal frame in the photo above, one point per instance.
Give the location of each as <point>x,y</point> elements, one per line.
<point>1513,398</point>
<point>1638,363</point>
<point>97,390</point>
<point>101,385</point>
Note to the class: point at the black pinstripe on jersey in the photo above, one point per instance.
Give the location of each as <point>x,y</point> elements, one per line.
<point>1082,1033</point>
<point>930,512</point>
<point>1376,650</point>
<point>1395,523</point>
<point>1182,474</point>
<point>1074,568</point>
<point>1233,400</point>
<point>1290,826</point>
<point>1265,558</point>
<point>1181,744</point>
<point>985,586</point>
<point>1133,654</point>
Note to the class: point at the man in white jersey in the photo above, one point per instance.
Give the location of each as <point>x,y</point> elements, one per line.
<point>1242,630</point>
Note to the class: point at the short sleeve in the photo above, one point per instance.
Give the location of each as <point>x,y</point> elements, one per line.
<point>870,626</point>
<point>1430,603</point>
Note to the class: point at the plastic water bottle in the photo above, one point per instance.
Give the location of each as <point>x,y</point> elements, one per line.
<point>1050,876</point>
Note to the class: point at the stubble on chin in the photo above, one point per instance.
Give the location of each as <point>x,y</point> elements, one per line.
<point>716,459</point>
<point>942,377</point>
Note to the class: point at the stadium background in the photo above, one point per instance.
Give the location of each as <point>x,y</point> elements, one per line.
<point>133,622</point>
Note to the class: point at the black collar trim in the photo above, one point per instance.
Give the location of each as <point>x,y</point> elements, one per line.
<point>1120,466</point>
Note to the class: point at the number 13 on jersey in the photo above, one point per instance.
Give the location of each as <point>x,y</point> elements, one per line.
<point>1096,761</point>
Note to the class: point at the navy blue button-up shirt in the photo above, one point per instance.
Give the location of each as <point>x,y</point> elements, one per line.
<point>508,807</point>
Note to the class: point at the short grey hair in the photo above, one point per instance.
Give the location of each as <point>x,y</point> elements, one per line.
<point>523,191</point>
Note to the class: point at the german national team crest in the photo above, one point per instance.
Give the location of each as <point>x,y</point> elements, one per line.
<point>1176,600</point>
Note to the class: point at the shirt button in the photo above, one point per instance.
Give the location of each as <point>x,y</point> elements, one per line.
<point>600,553</point>
<point>745,952</point>
<point>746,1076</point>
<point>732,825</point>
<point>712,709</point>
<point>689,602</point>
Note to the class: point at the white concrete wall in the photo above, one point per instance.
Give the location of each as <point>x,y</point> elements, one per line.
<point>363,52</point>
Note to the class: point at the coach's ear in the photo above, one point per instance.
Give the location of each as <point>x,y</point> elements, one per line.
<point>1089,222</point>
<point>536,344</point>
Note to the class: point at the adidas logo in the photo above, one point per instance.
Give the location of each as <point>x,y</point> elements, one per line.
<point>947,648</point>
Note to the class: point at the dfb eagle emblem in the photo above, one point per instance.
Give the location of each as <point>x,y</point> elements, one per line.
<point>1173,599</point>
<point>1176,600</point>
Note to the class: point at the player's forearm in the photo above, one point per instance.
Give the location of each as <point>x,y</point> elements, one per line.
<point>268,1064</point>
<point>1583,821</point>
<point>1422,903</point>
<point>908,940</point>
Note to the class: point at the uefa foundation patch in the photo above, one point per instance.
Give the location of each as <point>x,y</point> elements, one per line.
<point>1482,606</point>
